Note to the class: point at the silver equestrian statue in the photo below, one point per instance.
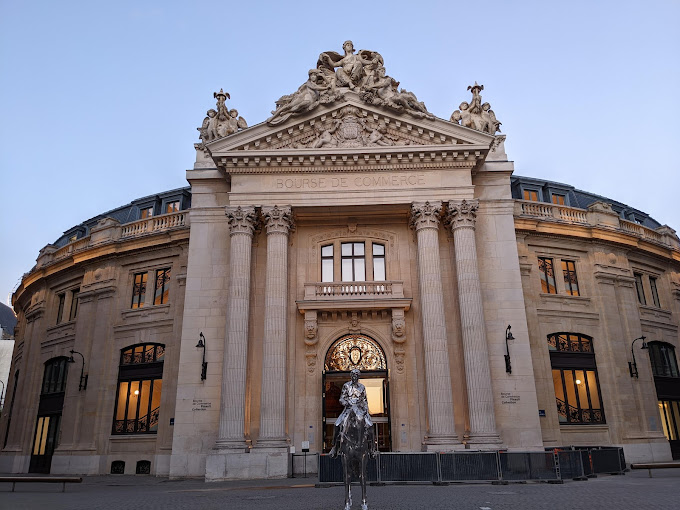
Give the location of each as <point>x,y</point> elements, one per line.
<point>353,437</point>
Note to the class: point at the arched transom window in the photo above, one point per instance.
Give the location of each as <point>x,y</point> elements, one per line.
<point>355,351</point>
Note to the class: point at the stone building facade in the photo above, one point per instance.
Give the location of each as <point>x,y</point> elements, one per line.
<point>214,325</point>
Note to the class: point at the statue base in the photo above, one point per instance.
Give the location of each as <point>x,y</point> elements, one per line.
<point>258,463</point>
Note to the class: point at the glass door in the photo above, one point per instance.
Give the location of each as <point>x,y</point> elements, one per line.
<point>377,394</point>
<point>44,443</point>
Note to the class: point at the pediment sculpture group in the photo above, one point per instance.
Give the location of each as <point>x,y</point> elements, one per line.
<point>334,76</point>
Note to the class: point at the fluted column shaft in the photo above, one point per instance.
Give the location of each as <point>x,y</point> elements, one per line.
<point>273,402</point>
<point>242,222</point>
<point>462,218</point>
<point>425,221</point>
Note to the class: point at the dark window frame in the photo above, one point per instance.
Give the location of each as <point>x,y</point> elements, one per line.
<point>139,289</point>
<point>655,291</point>
<point>11,407</point>
<point>545,273</point>
<point>139,363</point>
<point>640,289</point>
<point>55,374</point>
<point>663,359</point>
<point>571,285</point>
<point>60,307</point>
<point>73,312</point>
<point>569,353</point>
<point>163,298</point>
<point>379,257</point>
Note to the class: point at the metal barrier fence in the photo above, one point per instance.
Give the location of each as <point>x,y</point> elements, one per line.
<point>554,465</point>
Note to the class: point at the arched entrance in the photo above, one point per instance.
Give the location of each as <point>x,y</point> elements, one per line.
<point>347,353</point>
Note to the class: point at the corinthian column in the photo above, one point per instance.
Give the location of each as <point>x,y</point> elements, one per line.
<point>462,217</point>
<point>273,404</point>
<point>425,221</point>
<point>242,222</point>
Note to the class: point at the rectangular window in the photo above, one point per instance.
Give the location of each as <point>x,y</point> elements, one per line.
<point>353,262</point>
<point>547,273</point>
<point>530,194</point>
<point>60,308</point>
<point>655,292</point>
<point>378,262</point>
<point>138,406</point>
<point>171,207</point>
<point>162,286</point>
<point>570,280</point>
<point>138,290</point>
<point>578,396</point>
<point>147,212</point>
<point>327,263</point>
<point>74,304</point>
<point>670,418</point>
<point>640,289</point>
<point>558,199</point>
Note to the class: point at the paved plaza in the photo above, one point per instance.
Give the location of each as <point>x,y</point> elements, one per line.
<point>635,491</point>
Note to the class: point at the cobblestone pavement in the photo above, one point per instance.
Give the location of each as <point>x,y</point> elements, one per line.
<point>635,491</point>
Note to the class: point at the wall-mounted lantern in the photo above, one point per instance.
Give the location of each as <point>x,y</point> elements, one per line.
<point>82,385</point>
<point>508,336</point>
<point>204,366</point>
<point>632,366</point>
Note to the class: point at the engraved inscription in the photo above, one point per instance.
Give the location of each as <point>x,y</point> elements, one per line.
<point>198,404</point>
<point>359,181</point>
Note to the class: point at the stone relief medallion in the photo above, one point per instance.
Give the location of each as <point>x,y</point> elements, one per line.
<point>355,351</point>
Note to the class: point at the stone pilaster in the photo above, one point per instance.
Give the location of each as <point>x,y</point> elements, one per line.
<point>278,222</point>
<point>462,217</point>
<point>242,222</point>
<point>425,219</point>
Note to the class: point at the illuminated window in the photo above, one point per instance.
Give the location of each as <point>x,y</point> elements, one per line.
<point>327,263</point>
<point>558,199</point>
<point>138,290</point>
<point>138,398</point>
<point>640,289</point>
<point>531,194</point>
<point>171,207</point>
<point>655,292</point>
<point>162,287</point>
<point>147,212</point>
<point>577,389</point>
<point>670,418</point>
<point>378,262</point>
<point>74,304</point>
<point>570,280</point>
<point>353,262</point>
<point>547,274</point>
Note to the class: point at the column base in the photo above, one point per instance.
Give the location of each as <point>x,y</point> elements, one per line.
<point>232,445</point>
<point>224,465</point>
<point>483,441</point>
<point>442,444</point>
<point>272,443</point>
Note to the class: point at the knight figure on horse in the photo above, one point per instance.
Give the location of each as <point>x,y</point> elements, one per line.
<point>353,398</point>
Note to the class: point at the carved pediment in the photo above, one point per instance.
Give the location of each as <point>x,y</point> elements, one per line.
<point>350,125</point>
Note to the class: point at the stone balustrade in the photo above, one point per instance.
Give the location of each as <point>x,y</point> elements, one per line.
<point>109,230</point>
<point>154,224</point>
<point>354,295</point>
<point>597,215</point>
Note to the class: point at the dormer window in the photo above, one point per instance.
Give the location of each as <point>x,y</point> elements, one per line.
<point>172,207</point>
<point>147,212</point>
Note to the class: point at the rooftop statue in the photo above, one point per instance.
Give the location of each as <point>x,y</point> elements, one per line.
<point>476,115</point>
<point>221,122</point>
<point>335,75</point>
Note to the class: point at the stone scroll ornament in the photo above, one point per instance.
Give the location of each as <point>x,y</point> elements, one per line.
<point>476,115</point>
<point>222,121</point>
<point>335,75</point>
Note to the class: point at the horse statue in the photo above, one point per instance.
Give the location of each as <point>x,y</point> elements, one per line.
<point>353,437</point>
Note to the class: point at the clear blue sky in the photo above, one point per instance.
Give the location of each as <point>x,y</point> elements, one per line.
<point>99,101</point>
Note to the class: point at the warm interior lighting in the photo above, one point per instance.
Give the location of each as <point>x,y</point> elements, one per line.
<point>137,391</point>
<point>578,381</point>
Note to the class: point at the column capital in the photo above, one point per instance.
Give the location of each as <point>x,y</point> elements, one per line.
<point>462,213</point>
<point>278,220</point>
<point>425,215</point>
<point>242,220</point>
